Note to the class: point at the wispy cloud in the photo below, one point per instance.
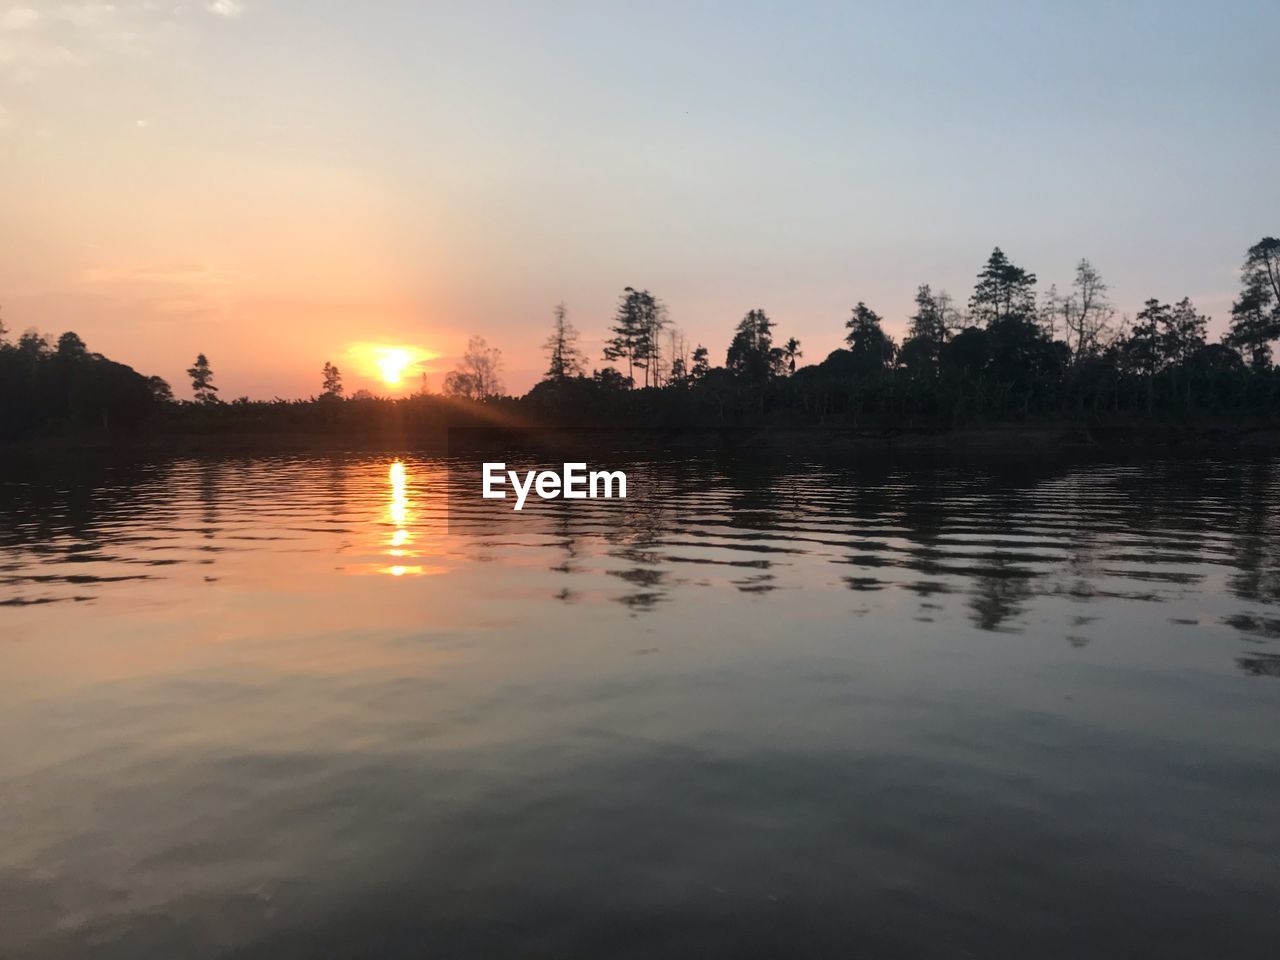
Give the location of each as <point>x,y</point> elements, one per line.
<point>33,43</point>
<point>225,8</point>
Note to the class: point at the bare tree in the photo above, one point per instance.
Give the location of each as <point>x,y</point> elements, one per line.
<point>678,355</point>
<point>478,373</point>
<point>1050,305</point>
<point>1086,312</point>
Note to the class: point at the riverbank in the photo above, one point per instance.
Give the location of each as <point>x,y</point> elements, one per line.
<point>1009,439</point>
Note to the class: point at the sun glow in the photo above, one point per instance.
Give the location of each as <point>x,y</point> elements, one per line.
<point>390,364</point>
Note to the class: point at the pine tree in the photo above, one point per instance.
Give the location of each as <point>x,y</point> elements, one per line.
<point>1255,316</point>
<point>561,346</point>
<point>636,329</point>
<point>201,375</point>
<point>1003,291</point>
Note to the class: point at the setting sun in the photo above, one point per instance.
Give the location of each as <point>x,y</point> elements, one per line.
<point>389,364</point>
<point>392,363</point>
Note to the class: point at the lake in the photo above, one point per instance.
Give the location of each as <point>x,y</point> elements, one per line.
<point>337,706</point>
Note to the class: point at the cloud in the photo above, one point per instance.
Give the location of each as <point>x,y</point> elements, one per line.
<point>18,18</point>
<point>225,8</point>
<point>83,34</point>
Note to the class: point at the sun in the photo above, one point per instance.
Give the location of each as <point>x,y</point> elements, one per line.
<point>392,363</point>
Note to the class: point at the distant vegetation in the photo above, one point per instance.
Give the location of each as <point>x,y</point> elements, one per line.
<point>1011,353</point>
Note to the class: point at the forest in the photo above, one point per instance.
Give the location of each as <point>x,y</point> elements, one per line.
<point>1011,353</point>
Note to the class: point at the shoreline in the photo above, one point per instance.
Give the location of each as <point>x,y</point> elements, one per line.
<point>993,439</point>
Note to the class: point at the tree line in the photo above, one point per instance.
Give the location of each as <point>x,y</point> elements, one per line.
<point>1012,351</point>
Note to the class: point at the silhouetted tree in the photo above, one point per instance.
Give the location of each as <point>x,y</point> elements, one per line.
<point>1184,333</point>
<point>701,362</point>
<point>561,347</point>
<point>612,380</point>
<point>160,389</point>
<point>791,352</point>
<point>478,373</point>
<point>202,380</point>
<point>1142,348</point>
<point>1255,316</point>
<point>33,345</point>
<point>636,328</point>
<point>1086,313</point>
<point>927,331</point>
<point>678,357</point>
<point>1164,336</point>
<point>66,389</point>
<point>71,347</point>
<point>1003,290</point>
<point>752,355</point>
<point>872,348</point>
<point>331,383</point>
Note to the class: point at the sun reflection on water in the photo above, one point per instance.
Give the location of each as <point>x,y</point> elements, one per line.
<point>399,546</point>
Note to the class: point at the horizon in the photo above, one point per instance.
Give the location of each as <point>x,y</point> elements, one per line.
<point>277,184</point>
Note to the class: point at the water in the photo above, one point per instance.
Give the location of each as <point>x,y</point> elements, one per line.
<point>297,707</point>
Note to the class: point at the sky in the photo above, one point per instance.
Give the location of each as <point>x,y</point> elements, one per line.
<point>276,182</point>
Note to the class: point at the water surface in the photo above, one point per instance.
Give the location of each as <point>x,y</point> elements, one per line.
<point>312,706</point>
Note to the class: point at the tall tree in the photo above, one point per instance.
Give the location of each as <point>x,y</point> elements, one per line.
<point>332,381</point>
<point>871,347</point>
<point>561,347</point>
<point>928,330</point>
<point>1255,316</point>
<point>791,352</point>
<point>1086,312</point>
<point>701,362</point>
<point>1003,290</point>
<point>636,330</point>
<point>677,356</point>
<point>1184,333</point>
<point>1143,347</point>
<point>929,322</point>
<point>752,354</point>
<point>201,375</point>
